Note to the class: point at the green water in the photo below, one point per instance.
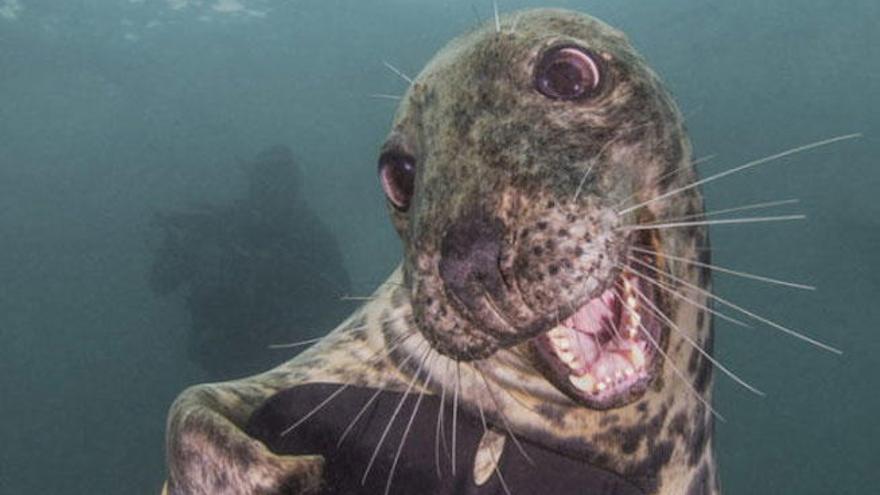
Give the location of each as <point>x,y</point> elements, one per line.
<point>110,110</point>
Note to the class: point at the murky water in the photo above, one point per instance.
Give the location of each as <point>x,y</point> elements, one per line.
<point>111,111</point>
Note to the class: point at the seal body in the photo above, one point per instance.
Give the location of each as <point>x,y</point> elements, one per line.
<point>528,172</point>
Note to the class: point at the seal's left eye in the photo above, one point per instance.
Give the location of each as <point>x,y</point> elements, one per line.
<point>397,172</point>
<point>568,73</point>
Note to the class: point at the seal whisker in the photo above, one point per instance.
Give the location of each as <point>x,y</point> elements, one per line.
<point>681,296</point>
<point>491,452</point>
<point>365,407</point>
<point>300,343</point>
<point>295,344</point>
<point>455,411</point>
<point>675,171</point>
<point>358,298</point>
<point>516,386</point>
<point>403,398</point>
<point>672,365</point>
<point>497,16</point>
<point>726,221</point>
<point>504,418</point>
<point>438,432</point>
<point>345,386</point>
<point>729,271</point>
<point>753,206</point>
<point>746,312</point>
<point>398,72</point>
<point>383,96</point>
<point>409,423</point>
<point>592,165</point>
<point>753,163</point>
<point>654,309</point>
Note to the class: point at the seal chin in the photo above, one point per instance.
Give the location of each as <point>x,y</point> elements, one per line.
<point>605,354</point>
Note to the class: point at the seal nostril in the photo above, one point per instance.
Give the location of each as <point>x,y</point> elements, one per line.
<point>469,258</point>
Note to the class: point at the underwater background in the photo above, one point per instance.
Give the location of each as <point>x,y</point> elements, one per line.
<point>114,110</point>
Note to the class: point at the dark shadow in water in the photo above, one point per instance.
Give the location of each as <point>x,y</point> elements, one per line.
<point>254,271</point>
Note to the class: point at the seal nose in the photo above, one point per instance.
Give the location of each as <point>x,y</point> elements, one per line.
<point>469,259</point>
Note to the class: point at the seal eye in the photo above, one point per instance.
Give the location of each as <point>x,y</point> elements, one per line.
<point>397,172</point>
<point>568,73</point>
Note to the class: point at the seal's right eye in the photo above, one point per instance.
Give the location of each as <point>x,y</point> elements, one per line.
<point>568,73</point>
<point>397,172</point>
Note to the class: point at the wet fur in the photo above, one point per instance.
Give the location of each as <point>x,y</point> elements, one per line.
<point>492,150</point>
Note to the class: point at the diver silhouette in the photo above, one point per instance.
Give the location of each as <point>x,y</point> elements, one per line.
<point>255,271</point>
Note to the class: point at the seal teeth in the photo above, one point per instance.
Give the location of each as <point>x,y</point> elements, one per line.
<point>637,356</point>
<point>631,313</point>
<point>561,343</point>
<point>558,333</point>
<point>567,357</point>
<point>585,382</point>
<point>562,347</point>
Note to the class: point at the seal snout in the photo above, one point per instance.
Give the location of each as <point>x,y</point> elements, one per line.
<point>469,258</point>
<point>470,269</point>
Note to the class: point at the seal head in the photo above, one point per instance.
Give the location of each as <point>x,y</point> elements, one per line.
<point>506,170</point>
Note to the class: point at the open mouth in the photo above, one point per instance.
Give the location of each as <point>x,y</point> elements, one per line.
<point>605,353</point>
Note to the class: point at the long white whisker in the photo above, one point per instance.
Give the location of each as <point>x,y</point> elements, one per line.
<point>440,420</point>
<point>685,299</point>
<point>343,387</point>
<point>295,344</point>
<point>360,413</point>
<point>515,386</point>
<point>317,408</point>
<point>383,96</point>
<point>504,420</point>
<point>455,411</point>
<point>358,298</point>
<point>744,311</point>
<point>650,226</point>
<point>754,206</point>
<point>613,140</point>
<point>728,270</point>
<point>703,159</point>
<point>497,16</point>
<point>366,406</point>
<point>394,416</point>
<point>753,163</point>
<point>398,72</point>
<point>409,423</point>
<point>495,460</point>
<point>675,171</point>
<point>318,339</point>
<point>697,346</point>
<point>677,371</point>
<point>577,192</point>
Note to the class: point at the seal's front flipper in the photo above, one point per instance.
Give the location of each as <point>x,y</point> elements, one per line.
<point>209,454</point>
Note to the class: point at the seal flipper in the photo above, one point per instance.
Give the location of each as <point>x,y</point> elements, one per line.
<point>416,470</point>
<point>209,454</point>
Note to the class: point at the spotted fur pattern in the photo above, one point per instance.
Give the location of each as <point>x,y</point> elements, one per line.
<point>545,180</point>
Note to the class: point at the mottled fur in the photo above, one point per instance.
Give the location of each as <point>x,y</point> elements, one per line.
<point>547,179</point>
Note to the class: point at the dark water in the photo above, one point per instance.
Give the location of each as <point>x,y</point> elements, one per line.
<point>111,110</point>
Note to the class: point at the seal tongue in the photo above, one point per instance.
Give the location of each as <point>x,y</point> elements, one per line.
<point>593,316</point>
